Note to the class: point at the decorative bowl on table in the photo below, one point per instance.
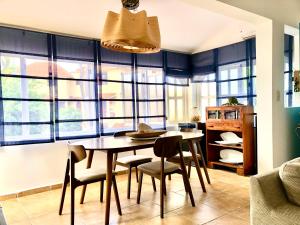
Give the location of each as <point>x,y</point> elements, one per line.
<point>145,132</point>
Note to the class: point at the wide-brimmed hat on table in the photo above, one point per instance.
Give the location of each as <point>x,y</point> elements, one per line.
<point>145,131</point>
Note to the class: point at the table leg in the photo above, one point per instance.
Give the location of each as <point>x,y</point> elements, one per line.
<point>192,149</point>
<point>203,161</point>
<point>108,185</point>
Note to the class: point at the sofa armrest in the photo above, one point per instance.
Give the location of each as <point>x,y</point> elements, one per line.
<point>267,189</point>
<point>268,202</point>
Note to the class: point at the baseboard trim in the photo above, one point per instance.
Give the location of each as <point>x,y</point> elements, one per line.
<point>40,189</point>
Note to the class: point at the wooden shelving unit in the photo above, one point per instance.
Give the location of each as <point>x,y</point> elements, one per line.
<point>237,119</point>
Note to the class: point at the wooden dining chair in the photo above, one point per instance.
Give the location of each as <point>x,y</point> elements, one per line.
<point>188,159</point>
<point>77,153</point>
<point>165,147</point>
<point>132,161</point>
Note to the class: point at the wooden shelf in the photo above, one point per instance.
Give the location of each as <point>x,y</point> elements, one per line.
<point>239,121</point>
<point>231,165</point>
<point>227,146</point>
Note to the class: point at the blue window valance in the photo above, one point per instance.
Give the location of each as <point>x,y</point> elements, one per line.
<point>21,41</point>
<point>178,65</point>
<point>203,63</point>
<point>109,56</point>
<point>150,60</point>
<point>74,48</point>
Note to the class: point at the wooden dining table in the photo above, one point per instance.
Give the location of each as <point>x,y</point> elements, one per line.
<point>111,145</point>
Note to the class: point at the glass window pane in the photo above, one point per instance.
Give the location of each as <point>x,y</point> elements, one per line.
<point>224,74</point>
<point>31,65</point>
<point>286,62</point>
<point>286,82</point>
<point>180,110</point>
<point>26,111</point>
<point>25,88</point>
<point>234,88</point>
<point>26,132</point>
<point>116,72</point>
<point>172,112</point>
<point>69,129</point>
<point>212,89</point>
<point>171,91</point>
<point>146,91</point>
<point>254,67</point>
<point>234,73</point>
<point>74,69</point>
<point>155,123</point>
<point>117,109</point>
<point>204,89</point>
<point>37,67</point>
<point>116,90</point>
<point>150,75</point>
<point>224,88</point>
<point>179,91</point>
<point>114,125</point>
<point>76,110</point>
<point>10,64</point>
<point>254,85</point>
<point>151,108</point>
<point>73,89</point>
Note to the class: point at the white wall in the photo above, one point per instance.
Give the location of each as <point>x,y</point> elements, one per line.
<point>285,11</point>
<point>26,167</point>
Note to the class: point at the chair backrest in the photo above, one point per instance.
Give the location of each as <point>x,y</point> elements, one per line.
<point>122,133</point>
<point>167,147</point>
<point>78,152</point>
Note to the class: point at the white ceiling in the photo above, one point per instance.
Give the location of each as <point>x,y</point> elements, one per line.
<point>184,27</point>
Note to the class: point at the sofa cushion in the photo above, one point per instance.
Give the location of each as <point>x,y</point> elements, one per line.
<point>290,176</point>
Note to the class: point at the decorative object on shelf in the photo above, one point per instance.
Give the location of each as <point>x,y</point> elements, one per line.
<point>230,136</point>
<point>196,117</point>
<point>131,32</point>
<point>297,81</point>
<point>145,131</point>
<point>231,156</point>
<point>232,101</point>
<point>233,132</point>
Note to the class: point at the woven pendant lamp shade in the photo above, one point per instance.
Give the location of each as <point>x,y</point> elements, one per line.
<point>131,32</point>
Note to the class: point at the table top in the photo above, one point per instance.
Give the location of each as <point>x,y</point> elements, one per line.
<point>118,144</point>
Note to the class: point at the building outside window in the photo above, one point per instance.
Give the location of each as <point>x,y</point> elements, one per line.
<point>177,104</point>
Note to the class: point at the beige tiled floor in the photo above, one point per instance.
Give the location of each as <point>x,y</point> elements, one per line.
<point>225,203</point>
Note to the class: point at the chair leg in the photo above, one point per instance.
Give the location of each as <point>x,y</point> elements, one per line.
<point>170,177</point>
<point>140,187</point>
<point>153,184</point>
<point>165,188</point>
<point>72,206</point>
<point>162,181</point>
<point>129,183</point>
<point>101,190</point>
<point>189,169</point>
<point>136,174</point>
<point>116,195</point>
<point>63,193</point>
<point>83,194</point>
<point>188,187</point>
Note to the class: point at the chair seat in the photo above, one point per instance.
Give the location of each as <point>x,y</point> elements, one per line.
<point>155,167</point>
<point>134,159</point>
<point>91,175</point>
